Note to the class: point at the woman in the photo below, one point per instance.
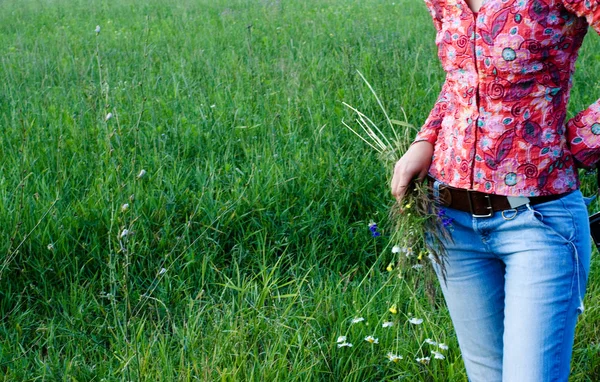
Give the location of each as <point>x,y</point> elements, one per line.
<point>504,163</point>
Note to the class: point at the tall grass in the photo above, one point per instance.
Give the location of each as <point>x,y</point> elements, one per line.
<point>247,251</point>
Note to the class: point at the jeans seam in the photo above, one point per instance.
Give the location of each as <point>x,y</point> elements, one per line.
<point>575,231</point>
<point>565,313</point>
<point>579,270</point>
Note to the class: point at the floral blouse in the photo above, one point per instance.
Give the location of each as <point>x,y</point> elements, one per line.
<point>498,125</point>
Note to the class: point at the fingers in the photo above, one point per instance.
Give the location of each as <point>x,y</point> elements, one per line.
<point>400,182</point>
<point>423,174</point>
<point>399,192</point>
<point>414,165</point>
<point>404,177</point>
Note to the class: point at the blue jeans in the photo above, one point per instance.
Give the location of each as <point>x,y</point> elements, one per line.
<point>514,288</point>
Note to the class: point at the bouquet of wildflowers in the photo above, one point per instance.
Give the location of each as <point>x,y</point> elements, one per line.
<point>417,216</point>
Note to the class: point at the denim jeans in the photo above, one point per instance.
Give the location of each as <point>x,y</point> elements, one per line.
<point>514,288</point>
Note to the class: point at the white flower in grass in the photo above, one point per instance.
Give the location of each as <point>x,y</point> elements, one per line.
<point>341,339</point>
<point>396,249</point>
<point>408,252</point>
<point>162,271</point>
<point>431,342</point>
<point>97,30</point>
<point>124,233</point>
<point>357,320</point>
<point>124,207</point>
<point>345,345</point>
<point>387,324</point>
<point>109,296</point>
<point>50,247</point>
<point>108,116</point>
<point>417,266</point>
<point>424,360</point>
<point>141,174</point>
<point>437,355</point>
<point>393,357</point>
<point>372,340</point>
<point>416,321</point>
<point>443,346</point>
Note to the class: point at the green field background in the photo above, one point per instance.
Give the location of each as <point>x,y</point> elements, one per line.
<point>247,251</point>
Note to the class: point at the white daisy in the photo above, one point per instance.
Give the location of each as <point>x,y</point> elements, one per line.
<point>345,345</point>
<point>443,346</point>
<point>357,320</point>
<point>393,357</point>
<point>341,339</point>
<point>431,342</point>
<point>387,324</point>
<point>372,340</point>
<point>416,321</point>
<point>437,355</point>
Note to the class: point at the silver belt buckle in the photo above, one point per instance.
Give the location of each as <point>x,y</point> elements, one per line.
<point>488,207</point>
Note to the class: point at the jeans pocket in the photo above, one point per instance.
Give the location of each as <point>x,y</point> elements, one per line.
<point>555,218</point>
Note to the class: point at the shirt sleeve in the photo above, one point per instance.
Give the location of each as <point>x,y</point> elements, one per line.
<point>435,9</point>
<point>429,131</point>
<point>583,130</point>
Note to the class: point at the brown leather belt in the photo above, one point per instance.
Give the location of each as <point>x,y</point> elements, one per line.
<point>480,204</point>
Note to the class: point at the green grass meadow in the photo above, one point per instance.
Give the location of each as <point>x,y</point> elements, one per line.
<point>242,250</point>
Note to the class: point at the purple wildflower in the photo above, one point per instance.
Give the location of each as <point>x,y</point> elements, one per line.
<point>446,221</point>
<point>373,229</point>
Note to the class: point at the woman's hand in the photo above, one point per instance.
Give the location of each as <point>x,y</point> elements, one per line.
<point>414,164</point>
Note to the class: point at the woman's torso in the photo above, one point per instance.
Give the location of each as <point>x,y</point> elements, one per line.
<point>503,106</point>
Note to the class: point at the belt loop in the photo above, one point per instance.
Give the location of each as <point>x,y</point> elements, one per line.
<point>436,190</point>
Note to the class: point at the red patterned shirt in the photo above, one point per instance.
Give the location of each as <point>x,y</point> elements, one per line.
<point>498,125</point>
